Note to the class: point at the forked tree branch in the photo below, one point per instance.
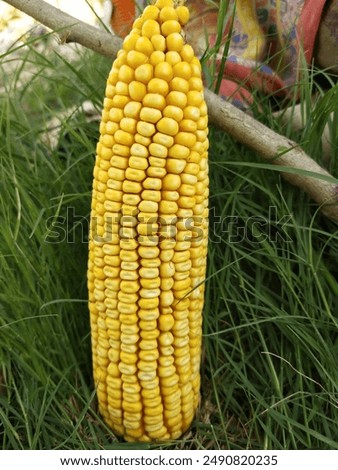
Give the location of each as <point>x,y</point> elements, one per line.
<point>271,146</point>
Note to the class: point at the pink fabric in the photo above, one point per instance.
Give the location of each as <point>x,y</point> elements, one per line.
<point>289,28</point>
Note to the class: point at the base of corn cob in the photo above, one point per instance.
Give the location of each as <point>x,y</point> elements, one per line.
<point>148,235</point>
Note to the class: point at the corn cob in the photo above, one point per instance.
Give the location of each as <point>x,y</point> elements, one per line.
<point>148,232</point>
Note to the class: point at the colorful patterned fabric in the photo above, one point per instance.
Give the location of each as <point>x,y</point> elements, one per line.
<point>326,48</point>
<point>270,43</point>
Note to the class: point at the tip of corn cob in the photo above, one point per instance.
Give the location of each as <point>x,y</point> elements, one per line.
<point>148,237</point>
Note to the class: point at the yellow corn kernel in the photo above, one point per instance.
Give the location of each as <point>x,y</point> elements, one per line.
<point>137,25</point>
<point>156,161</point>
<point>152,183</point>
<point>154,100</point>
<point>173,111</point>
<point>182,69</point>
<point>168,13</point>
<point>170,195</point>
<point>171,182</point>
<point>158,42</point>
<point>131,187</point>
<point>179,151</point>
<point>142,139</point>
<point>157,57</point>
<point>158,150</point>
<point>133,174</point>
<point>164,70</point>
<point>188,125</point>
<point>145,129</point>
<point>128,125</point>
<point>123,138</point>
<point>150,195</point>
<point>163,139</point>
<point>185,138</point>
<point>187,53</point>
<point>143,44</point>
<point>196,83</point>
<point>158,85</point>
<point>150,27</point>
<point>150,115</point>
<point>167,126</point>
<point>126,75</point>
<point>183,14</point>
<point>150,12</point>
<point>172,57</point>
<point>179,84</point>
<point>136,58</point>
<point>148,206</point>
<point>137,90</point>
<point>111,127</point>
<point>139,163</point>
<point>163,3</point>
<point>177,98</point>
<point>115,114</point>
<point>144,73</point>
<point>194,98</point>
<point>129,42</point>
<point>175,165</point>
<point>174,42</point>
<point>170,26</point>
<point>132,109</point>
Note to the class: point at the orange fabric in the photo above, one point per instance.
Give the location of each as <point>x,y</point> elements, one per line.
<point>123,16</point>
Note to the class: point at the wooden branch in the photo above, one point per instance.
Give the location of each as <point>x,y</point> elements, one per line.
<point>68,28</point>
<point>278,150</point>
<point>270,145</point>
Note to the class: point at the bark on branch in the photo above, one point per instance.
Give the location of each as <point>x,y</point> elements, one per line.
<point>68,28</point>
<point>270,145</point>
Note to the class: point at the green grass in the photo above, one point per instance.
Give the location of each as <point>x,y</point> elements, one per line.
<point>270,355</point>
